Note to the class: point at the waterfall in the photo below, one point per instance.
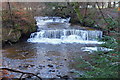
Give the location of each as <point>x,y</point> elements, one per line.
<point>42,21</point>
<point>57,36</point>
<point>65,36</point>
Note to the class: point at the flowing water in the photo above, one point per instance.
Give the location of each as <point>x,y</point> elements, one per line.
<point>54,50</point>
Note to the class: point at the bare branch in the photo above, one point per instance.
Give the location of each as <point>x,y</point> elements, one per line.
<point>12,70</point>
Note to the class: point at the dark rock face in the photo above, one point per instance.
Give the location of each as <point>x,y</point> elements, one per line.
<point>11,36</point>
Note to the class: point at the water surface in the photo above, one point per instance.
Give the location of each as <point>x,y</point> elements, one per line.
<point>47,60</point>
<point>54,50</point>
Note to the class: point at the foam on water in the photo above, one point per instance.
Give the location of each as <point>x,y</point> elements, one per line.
<point>91,49</point>
<point>59,41</point>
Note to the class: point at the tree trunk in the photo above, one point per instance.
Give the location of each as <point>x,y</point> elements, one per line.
<point>118,37</point>
<point>114,5</point>
<point>76,8</point>
<point>109,4</point>
<point>119,4</point>
<point>119,17</point>
<point>94,5</point>
<point>10,12</point>
<point>102,4</point>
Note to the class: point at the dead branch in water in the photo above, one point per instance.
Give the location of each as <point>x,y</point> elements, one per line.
<point>17,71</point>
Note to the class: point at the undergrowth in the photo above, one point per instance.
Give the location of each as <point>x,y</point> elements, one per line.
<point>105,64</point>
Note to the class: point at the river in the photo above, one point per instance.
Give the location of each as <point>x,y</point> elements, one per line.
<point>53,51</point>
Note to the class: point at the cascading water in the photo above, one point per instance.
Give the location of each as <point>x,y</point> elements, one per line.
<point>56,36</point>
<point>54,61</point>
<point>42,21</point>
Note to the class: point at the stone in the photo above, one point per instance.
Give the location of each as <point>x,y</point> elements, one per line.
<point>49,65</point>
<point>51,70</point>
<point>49,59</point>
<point>65,77</point>
<point>65,59</point>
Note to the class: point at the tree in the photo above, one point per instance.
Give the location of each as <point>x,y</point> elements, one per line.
<point>77,10</point>
<point>102,4</point>
<point>114,4</point>
<point>11,15</point>
<point>119,6</point>
<point>109,4</point>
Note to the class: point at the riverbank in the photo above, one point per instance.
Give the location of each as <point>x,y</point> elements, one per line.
<point>24,23</point>
<point>16,28</point>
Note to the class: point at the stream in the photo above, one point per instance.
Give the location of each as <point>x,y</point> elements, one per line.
<point>54,50</point>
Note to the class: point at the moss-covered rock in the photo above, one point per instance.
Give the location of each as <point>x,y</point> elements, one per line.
<point>10,34</point>
<point>22,22</point>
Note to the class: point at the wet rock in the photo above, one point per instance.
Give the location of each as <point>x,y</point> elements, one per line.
<point>49,65</point>
<point>37,73</point>
<point>65,77</point>
<point>61,65</point>
<point>51,70</point>
<point>57,70</point>
<point>57,67</point>
<point>32,65</point>
<point>44,66</point>
<point>49,59</point>
<point>71,71</point>
<point>59,76</point>
<point>65,59</point>
<point>29,76</point>
<point>24,66</point>
<point>24,54</point>
<point>59,73</point>
<point>71,61</point>
<point>87,68</point>
<point>41,66</point>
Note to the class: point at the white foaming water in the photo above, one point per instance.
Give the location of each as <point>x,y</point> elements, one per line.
<point>58,36</point>
<point>66,36</point>
<point>43,20</point>
<point>91,49</point>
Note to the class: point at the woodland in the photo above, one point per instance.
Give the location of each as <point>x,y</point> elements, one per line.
<point>18,23</point>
